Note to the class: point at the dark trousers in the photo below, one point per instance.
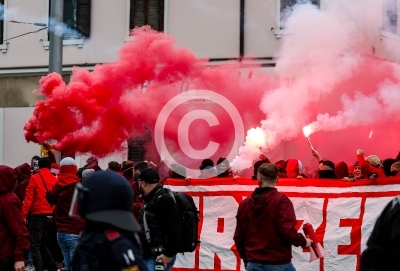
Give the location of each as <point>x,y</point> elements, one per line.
<point>41,256</point>
<point>6,265</point>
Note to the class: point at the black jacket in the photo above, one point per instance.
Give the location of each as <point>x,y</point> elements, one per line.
<point>108,250</point>
<point>383,246</point>
<point>163,221</point>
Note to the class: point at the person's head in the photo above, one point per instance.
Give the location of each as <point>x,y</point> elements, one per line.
<point>395,168</point>
<point>387,165</point>
<point>206,163</point>
<point>23,171</point>
<point>35,163</point>
<point>140,166</point>
<point>127,169</point>
<point>293,168</point>
<point>87,172</point>
<point>267,175</point>
<point>341,170</point>
<point>45,162</point>
<point>178,171</point>
<point>55,168</point>
<point>8,179</point>
<point>326,165</point>
<point>105,197</point>
<point>374,160</point>
<point>357,171</point>
<point>68,165</point>
<point>114,166</point>
<point>148,179</point>
<point>223,167</point>
<point>92,161</point>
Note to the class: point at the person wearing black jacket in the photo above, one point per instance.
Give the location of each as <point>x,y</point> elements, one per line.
<point>160,216</point>
<point>383,250</point>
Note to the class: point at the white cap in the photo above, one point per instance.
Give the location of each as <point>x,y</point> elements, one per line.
<point>68,161</point>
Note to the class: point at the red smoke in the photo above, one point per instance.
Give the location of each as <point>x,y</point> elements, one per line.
<point>98,111</point>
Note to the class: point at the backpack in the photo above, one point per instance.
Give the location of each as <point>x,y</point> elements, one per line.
<point>189,221</point>
<point>189,216</point>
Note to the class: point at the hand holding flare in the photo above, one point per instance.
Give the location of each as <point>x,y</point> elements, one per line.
<point>308,130</point>
<point>316,251</point>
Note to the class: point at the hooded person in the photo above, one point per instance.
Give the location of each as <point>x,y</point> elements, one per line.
<point>370,166</point>
<point>206,163</point>
<point>294,169</point>
<point>68,228</point>
<point>13,232</point>
<point>24,172</point>
<point>109,240</point>
<point>342,170</point>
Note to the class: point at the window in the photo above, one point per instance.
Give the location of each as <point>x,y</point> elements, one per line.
<point>284,10</point>
<point>390,16</point>
<point>77,18</point>
<point>147,12</point>
<point>1,21</point>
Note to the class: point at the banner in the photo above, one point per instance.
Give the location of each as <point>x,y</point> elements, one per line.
<point>343,215</point>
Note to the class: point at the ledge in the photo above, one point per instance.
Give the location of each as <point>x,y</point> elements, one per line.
<point>77,42</point>
<point>3,47</point>
<point>389,35</point>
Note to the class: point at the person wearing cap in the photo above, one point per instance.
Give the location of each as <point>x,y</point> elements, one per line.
<point>68,228</point>
<point>13,232</point>
<point>109,240</point>
<point>41,212</point>
<point>266,225</point>
<point>326,168</point>
<point>354,173</point>
<point>370,166</point>
<point>160,216</point>
<point>92,163</point>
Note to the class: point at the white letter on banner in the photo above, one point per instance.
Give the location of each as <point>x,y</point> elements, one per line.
<point>187,260</point>
<point>310,211</point>
<point>373,208</point>
<point>220,243</point>
<point>335,235</point>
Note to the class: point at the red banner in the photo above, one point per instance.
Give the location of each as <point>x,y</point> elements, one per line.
<point>342,213</point>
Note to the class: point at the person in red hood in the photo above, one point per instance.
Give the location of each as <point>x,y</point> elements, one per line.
<point>294,169</point>
<point>342,170</point>
<point>371,166</point>
<point>41,214</point>
<point>68,228</point>
<point>265,229</point>
<point>13,232</point>
<point>24,173</point>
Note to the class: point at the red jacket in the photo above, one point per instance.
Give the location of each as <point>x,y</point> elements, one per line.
<point>265,229</point>
<point>13,232</point>
<point>35,195</point>
<point>61,197</point>
<point>367,169</point>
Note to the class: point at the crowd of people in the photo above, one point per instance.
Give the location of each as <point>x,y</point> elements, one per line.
<point>45,206</point>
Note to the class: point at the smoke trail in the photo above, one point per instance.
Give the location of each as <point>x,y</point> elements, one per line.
<point>98,111</point>
<point>363,109</point>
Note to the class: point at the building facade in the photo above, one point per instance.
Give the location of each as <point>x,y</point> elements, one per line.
<point>222,31</point>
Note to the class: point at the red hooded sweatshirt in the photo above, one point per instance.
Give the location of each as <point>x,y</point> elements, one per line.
<point>13,232</point>
<point>35,195</point>
<point>265,229</point>
<point>61,197</point>
<point>24,173</point>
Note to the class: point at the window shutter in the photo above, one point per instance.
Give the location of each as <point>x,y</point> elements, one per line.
<point>147,12</point>
<point>83,15</point>
<point>1,23</point>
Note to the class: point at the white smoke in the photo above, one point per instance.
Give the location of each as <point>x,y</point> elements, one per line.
<point>321,48</point>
